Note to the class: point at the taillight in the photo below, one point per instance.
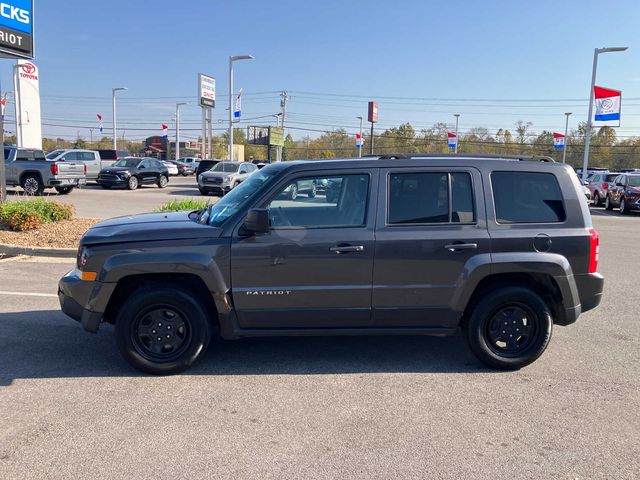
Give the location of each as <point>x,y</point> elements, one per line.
<point>54,169</point>
<point>605,185</point>
<point>594,250</point>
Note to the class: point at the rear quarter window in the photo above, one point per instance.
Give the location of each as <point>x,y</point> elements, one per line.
<point>527,197</point>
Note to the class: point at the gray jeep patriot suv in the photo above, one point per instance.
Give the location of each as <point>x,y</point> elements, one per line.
<point>502,248</point>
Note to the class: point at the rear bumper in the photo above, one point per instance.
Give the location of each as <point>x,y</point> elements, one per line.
<point>82,300</point>
<point>590,288</point>
<point>67,182</point>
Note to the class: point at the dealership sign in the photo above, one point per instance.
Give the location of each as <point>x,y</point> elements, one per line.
<point>207,89</point>
<point>16,28</point>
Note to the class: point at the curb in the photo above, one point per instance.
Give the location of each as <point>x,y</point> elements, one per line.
<point>38,251</point>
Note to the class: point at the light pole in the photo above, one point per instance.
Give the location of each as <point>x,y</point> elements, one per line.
<point>566,137</point>
<point>361,142</point>
<point>457,115</point>
<point>113,104</point>
<point>178,105</point>
<point>587,139</point>
<point>231,60</point>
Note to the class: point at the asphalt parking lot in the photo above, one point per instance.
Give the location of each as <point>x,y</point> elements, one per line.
<point>394,407</point>
<point>92,201</point>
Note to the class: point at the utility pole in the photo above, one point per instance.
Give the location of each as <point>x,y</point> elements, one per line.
<point>91,136</point>
<point>3,177</point>
<point>232,59</point>
<point>284,96</point>
<point>566,137</point>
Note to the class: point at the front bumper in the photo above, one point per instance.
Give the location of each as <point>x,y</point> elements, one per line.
<point>111,182</point>
<point>84,301</point>
<point>215,189</point>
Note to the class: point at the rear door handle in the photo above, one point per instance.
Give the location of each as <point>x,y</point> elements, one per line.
<point>340,249</point>
<point>454,247</point>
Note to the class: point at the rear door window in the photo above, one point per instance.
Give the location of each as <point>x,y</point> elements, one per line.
<point>527,197</point>
<point>430,197</point>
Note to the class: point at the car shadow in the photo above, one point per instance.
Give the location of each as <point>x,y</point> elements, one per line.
<point>187,192</point>
<point>47,344</point>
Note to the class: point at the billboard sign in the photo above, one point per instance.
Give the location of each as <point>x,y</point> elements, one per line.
<point>27,94</point>
<point>207,91</point>
<point>276,136</point>
<point>16,28</point>
<point>373,112</point>
<point>258,135</point>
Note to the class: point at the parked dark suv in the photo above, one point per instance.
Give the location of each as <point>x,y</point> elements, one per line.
<point>624,193</point>
<point>500,247</point>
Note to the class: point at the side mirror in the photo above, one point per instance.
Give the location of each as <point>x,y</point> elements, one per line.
<point>256,221</point>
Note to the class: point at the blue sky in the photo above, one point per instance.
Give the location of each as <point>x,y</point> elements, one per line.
<point>464,54</point>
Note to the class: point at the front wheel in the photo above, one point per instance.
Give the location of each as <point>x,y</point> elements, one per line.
<point>623,207</point>
<point>162,181</point>
<point>64,190</point>
<point>509,328</point>
<point>162,329</point>
<point>596,200</point>
<point>607,203</point>
<point>132,183</point>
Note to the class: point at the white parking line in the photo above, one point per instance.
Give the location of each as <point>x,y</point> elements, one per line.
<point>29,294</point>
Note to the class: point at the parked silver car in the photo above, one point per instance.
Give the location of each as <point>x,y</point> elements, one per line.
<point>224,177</point>
<point>599,184</point>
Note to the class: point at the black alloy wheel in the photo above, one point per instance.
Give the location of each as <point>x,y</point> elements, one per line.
<point>160,333</point>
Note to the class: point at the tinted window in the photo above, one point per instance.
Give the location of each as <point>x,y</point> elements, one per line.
<point>527,197</point>
<point>306,202</point>
<point>7,153</point>
<point>68,157</point>
<point>86,156</point>
<point>127,162</point>
<point>107,154</point>
<point>423,197</point>
<point>610,178</point>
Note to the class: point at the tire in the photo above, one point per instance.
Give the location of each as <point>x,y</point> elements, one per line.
<point>64,190</point>
<point>106,187</point>
<point>597,202</point>
<point>184,174</point>
<point>484,334</point>
<point>607,203</point>
<point>167,309</point>
<point>312,193</point>
<point>293,193</point>
<point>623,207</point>
<point>162,181</point>
<point>132,183</point>
<point>32,185</point>
<point>203,192</point>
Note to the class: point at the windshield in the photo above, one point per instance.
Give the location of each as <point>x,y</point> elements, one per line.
<point>226,167</point>
<point>217,213</point>
<point>634,181</point>
<point>127,162</point>
<point>54,154</point>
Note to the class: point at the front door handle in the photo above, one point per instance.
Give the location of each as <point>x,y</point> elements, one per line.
<point>340,249</point>
<point>455,247</point>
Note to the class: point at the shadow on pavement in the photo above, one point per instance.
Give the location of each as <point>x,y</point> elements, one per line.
<point>47,344</point>
<point>190,192</point>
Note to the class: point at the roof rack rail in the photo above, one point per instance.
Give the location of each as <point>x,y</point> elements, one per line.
<point>522,158</point>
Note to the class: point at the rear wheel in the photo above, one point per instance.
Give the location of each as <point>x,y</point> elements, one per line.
<point>607,203</point>
<point>64,190</point>
<point>32,184</point>
<point>596,199</point>
<point>162,329</point>
<point>132,183</point>
<point>203,192</point>
<point>509,328</point>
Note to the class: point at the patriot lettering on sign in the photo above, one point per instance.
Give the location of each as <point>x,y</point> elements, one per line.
<point>452,139</point>
<point>558,140</point>
<point>165,133</point>
<point>607,102</point>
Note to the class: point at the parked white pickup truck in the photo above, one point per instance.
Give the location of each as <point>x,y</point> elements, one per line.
<point>30,169</point>
<point>90,158</point>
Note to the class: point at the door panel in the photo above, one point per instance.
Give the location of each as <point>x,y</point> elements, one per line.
<point>425,243</point>
<point>311,276</point>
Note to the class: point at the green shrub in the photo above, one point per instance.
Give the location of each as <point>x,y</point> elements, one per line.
<point>186,204</point>
<point>30,213</point>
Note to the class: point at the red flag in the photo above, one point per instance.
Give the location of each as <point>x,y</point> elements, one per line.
<point>99,116</point>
